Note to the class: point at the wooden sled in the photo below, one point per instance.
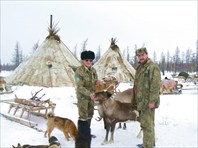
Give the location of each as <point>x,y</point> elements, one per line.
<point>31,106</point>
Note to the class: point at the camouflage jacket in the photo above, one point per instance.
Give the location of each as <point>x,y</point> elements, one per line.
<point>147,85</point>
<point>85,81</point>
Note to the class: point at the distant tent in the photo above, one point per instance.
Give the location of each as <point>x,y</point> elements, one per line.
<point>112,63</point>
<point>51,65</point>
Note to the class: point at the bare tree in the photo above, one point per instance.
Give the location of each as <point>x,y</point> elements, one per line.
<point>162,63</point>
<point>168,61</point>
<point>35,46</point>
<point>188,59</point>
<point>75,50</point>
<point>98,53</point>
<point>173,64</point>
<point>84,45</point>
<point>154,57</point>
<point>17,56</point>
<point>128,54</point>
<point>183,62</point>
<point>177,59</point>
<point>135,60</point>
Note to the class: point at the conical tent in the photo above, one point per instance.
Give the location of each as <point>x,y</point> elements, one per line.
<point>112,63</point>
<point>49,66</point>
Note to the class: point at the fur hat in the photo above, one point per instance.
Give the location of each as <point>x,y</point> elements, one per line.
<point>87,55</point>
<point>141,51</point>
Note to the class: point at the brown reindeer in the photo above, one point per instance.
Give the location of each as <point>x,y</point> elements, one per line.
<point>113,112</point>
<point>2,84</point>
<point>125,96</point>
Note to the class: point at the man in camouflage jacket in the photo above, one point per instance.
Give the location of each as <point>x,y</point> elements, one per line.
<point>146,92</point>
<point>86,79</point>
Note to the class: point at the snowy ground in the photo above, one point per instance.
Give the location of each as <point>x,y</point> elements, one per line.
<point>176,120</point>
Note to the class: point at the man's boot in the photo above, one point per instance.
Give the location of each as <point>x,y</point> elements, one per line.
<point>83,139</point>
<point>89,121</point>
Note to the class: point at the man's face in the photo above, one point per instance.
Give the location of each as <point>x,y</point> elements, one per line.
<point>87,62</point>
<point>142,57</point>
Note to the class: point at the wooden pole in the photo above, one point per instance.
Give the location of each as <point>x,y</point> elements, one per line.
<point>51,17</point>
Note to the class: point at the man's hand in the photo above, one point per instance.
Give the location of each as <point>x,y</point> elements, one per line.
<point>93,97</point>
<point>98,82</point>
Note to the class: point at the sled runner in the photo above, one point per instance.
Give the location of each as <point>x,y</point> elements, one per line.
<point>6,92</point>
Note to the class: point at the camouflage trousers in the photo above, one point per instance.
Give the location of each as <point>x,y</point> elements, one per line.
<point>85,109</point>
<point>147,119</point>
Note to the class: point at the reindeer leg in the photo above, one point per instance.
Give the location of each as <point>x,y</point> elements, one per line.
<point>105,124</point>
<point>112,132</point>
<point>124,126</point>
<point>120,125</point>
<point>107,134</point>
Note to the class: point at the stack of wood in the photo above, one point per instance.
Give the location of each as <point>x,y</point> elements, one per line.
<point>32,102</point>
<point>35,101</point>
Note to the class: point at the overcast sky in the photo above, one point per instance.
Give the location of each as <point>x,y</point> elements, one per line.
<point>160,25</point>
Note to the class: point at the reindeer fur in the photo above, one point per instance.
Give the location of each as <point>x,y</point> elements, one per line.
<point>114,111</point>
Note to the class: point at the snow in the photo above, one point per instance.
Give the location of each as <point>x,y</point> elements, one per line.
<point>175,121</point>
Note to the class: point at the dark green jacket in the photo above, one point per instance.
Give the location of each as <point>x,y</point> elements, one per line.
<point>85,81</point>
<point>147,85</point>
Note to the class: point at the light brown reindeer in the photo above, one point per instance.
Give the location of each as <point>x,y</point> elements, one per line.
<point>125,96</point>
<point>114,111</point>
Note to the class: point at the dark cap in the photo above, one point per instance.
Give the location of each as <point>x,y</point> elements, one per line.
<point>87,55</point>
<point>141,51</point>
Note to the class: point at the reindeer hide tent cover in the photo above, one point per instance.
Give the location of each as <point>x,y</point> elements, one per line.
<point>49,66</point>
<point>112,63</point>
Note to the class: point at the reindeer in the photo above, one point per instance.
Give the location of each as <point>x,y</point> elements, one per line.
<point>114,111</point>
<point>125,96</point>
<point>2,84</point>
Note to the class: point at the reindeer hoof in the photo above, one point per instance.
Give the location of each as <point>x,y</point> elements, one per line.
<point>107,142</point>
<point>104,142</point>
<point>119,127</point>
<point>111,141</point>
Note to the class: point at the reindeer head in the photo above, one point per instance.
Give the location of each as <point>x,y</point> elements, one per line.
<point>102,96</point>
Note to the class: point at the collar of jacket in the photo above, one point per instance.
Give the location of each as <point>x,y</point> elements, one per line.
<point>148,61</point>
<point>87,69</point>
